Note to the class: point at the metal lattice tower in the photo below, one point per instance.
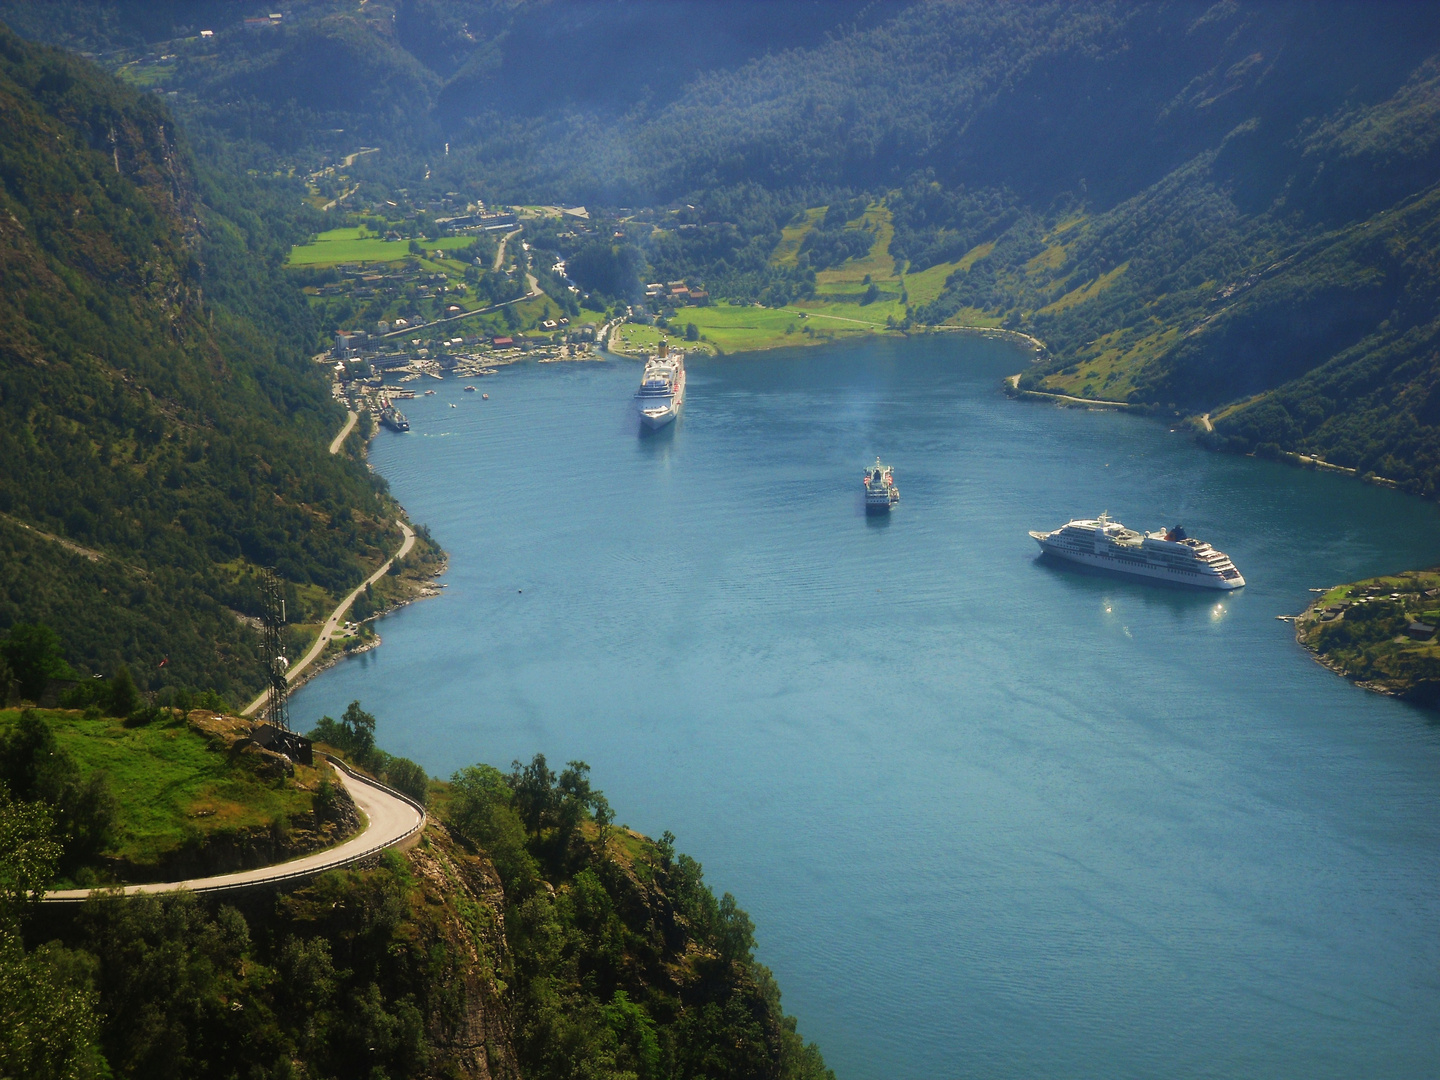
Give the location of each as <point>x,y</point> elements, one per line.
<point>272,650</point>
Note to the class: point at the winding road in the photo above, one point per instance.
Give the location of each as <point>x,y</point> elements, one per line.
<point>339,440</point>
<point>391,820</point>
<point>500,250</point>
<point>333,623</point>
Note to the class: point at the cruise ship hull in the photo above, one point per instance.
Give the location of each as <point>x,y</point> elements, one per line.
<point>655,419</point>
<point>1136,568</point>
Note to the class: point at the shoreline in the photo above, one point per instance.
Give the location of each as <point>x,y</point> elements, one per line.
<point>1382,654</point>
<point>326,660</point>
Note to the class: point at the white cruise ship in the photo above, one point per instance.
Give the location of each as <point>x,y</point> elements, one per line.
<point>1164,556</point>
<point>662,388</point>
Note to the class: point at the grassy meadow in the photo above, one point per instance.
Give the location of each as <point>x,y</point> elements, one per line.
<point>174,786</point>
<point>360,245</point>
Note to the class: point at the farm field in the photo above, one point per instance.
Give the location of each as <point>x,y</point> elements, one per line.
<point>358,245</point>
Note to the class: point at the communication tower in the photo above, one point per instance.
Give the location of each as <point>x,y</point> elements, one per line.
<point>272,650</point>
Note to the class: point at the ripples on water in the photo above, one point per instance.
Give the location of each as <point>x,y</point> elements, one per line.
<point>992,817</point>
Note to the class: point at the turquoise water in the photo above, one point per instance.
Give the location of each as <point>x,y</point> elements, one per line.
<point>992,818</point>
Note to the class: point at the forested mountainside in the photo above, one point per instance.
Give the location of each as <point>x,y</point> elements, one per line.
<point>333,73</point>
<point>162,431</point>
<point>1216,209</point>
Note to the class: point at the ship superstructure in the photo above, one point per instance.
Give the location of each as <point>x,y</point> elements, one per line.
<point>1166,555</point>
<point>393,418</point>
<point>880,490</point>
<point>662,388</point>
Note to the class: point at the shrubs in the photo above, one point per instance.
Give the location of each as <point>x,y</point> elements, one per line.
<point>354,733</point>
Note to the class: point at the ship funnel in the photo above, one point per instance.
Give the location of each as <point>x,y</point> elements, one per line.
<point>664,347</point>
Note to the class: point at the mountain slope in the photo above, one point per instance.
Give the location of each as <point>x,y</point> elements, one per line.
<point>156,408</point>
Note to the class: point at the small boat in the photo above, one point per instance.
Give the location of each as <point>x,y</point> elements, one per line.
<point>484,397</point>
<point>469,389</point>
<point>429,393</point>
<point>880,490</point>
<point>452,405</point>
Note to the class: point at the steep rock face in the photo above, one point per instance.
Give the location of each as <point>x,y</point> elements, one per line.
<point>469,1026</point>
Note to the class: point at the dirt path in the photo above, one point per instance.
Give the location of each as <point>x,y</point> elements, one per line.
<point>837,318</point>
<point>390,820</point>
<point>333,623</point>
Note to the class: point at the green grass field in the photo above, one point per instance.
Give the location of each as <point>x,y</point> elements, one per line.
<point>730,328</point>
<point>172,786</point>
<point>358,245</point>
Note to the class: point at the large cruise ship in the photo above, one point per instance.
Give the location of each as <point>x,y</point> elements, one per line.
<point>662,388</point>
<point>1165,556</point>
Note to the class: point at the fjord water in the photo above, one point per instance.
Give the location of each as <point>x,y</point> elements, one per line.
<point>992,817</point>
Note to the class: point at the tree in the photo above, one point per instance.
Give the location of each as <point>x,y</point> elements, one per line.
<point>692,332</point>
<point>481,809</point>
<point>48,1027</point>
<point>534,790</point>
<point>354,732</point>
<point>123,697</point>
<point>29,854</point>
<point>403,775</point>
<point>33,654</point>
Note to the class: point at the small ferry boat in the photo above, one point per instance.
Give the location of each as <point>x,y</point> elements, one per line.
<point>1165,555</point>
<point>662,388</point>
<point>880,490</point>
<point>394,419</point>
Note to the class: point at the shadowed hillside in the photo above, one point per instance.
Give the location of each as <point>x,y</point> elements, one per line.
<point>161,429</point>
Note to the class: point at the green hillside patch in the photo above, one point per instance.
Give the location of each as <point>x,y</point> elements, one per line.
<point>189,798</point>
<point>787,251</point>
<point>1110,373</point>
<point>1367,631</point>
<point>1085,292</point>
<point>929,284</point>
<point>877,265</point>
<point>1048,261</point>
